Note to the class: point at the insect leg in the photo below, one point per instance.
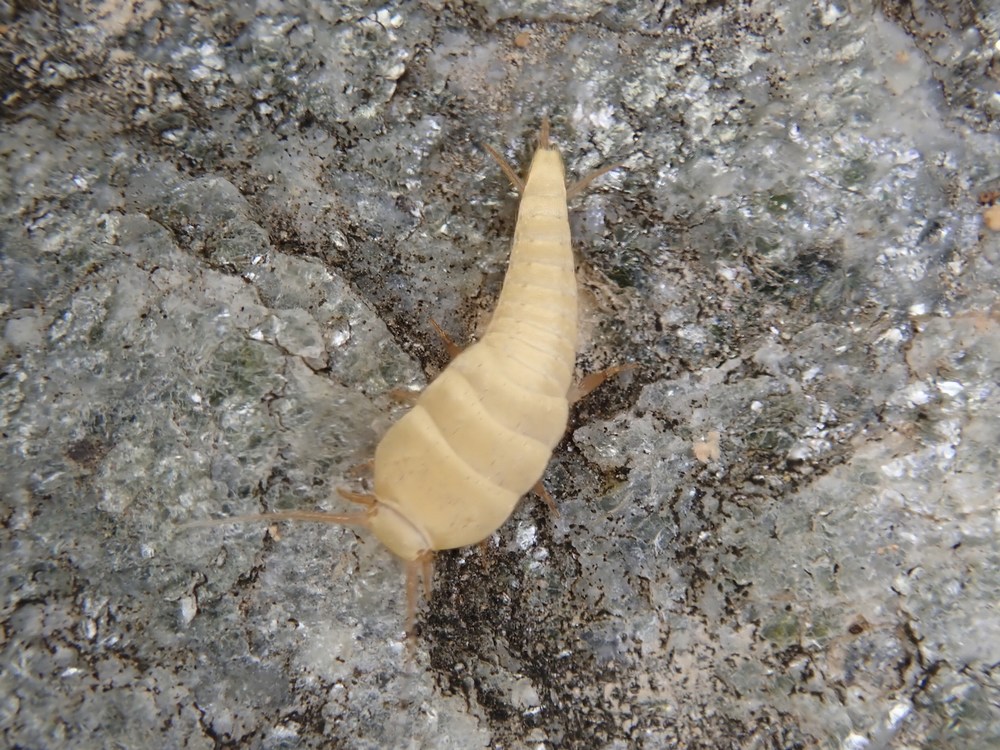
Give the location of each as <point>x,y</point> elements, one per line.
<point>484,549</point>
<point>361,498</point>
<point>450,346</point>
<point>539,489</point>
<point>594,379</point>
<point>426,561</point>
<point>404,396</point>
<point>412,571</point>
<point>407,396</point>
<point>361,469</point>
<point>422,567</point>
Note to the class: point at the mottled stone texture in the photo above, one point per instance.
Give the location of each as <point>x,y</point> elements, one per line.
<point>225,229</point>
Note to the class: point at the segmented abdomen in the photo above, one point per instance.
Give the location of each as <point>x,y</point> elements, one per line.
<point>482,433</point>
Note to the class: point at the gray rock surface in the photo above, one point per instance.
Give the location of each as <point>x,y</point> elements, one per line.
<point>225,229</point>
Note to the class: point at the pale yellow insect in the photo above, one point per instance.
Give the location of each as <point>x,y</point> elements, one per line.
<point>451,471</point>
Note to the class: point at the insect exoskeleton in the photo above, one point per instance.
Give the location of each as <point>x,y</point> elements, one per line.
<point>451,471</point>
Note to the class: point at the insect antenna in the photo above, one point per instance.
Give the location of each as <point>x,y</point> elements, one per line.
<point>319,516</point>
<point>580,185</point>
<point>507,169</point>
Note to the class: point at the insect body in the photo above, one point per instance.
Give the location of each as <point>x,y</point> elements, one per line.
<point>451,471</point>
